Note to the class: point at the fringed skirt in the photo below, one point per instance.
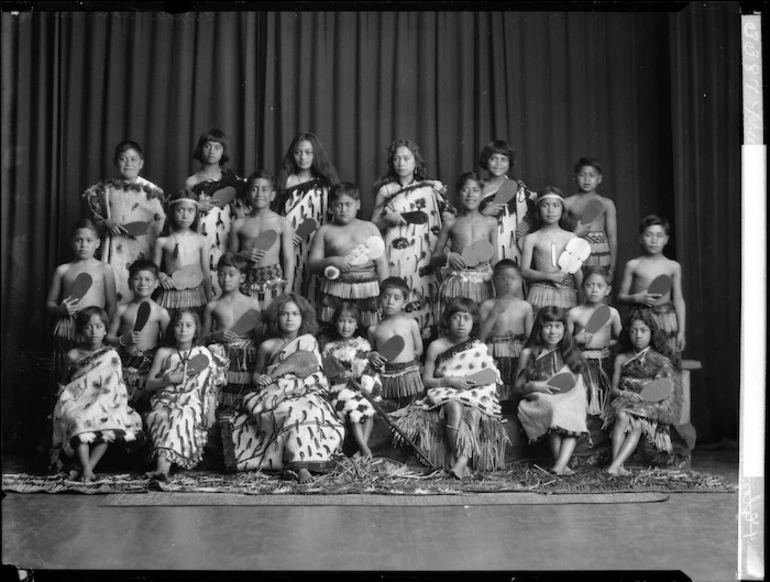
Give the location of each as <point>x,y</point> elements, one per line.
<point>243,359</point>
<point>264,283</point>
<point>401,380</point>
<point>598,386</point>
<point>640,415</point>
<point>506,350</point>
<point>600,250</point>
<point>359,287</point>
<point>136,366</point>
<point>565,413</point>
<point>474,284</point>
<point>562,295</point>
<point>173,299</point>
<point>482,438</point>
<point>65,338</point>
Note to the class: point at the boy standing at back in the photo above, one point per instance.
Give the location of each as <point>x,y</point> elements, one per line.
<point>137,348</point>
<point>400,377</point>
<point>601,232</point>
<point>270,272</point>
<point>667,309</point>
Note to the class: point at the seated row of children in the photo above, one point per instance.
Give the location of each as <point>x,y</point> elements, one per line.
<point>293,417</point>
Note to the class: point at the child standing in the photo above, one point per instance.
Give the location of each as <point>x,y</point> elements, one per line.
<point>137,348</point>
<point>459,421</point>
<point>542,411</point>
<point>214,218</point>
<point>628,415</point>
<point>221,315</point>
<point>595,347</point>
<point>541,252</point>
<point>506,322</point>
<point>184,400</point>
<point>332,246</point>
<point>400,377</point>
<point>459,279</point>
<point>183,248</point>
<point>60,304</point>
<point>601,233</point>
<point>668,309</point>
<point>352,351</point>
<point>409,245</point>
<point>92,408</point>
<point>287,424</point>
<point>303,184</point>
<point>270,272</point>
<point>497,159</point>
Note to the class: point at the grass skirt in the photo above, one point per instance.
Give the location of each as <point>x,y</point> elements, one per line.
<point>179,298</point>
<point>562,295</point>
<point>65,338</point>
<point>506,350</point>
<point>474,284</point>
<point>598,384</point>
<point>600,250</point>
<point>360,287</point>
<point>401,380</point>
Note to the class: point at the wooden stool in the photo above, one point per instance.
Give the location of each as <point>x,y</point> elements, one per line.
<point>685,427</point>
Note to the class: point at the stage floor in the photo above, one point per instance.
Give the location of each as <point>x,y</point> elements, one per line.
<point>695,533</point>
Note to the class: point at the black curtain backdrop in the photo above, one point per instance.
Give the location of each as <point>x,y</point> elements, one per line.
<point>623,87</point>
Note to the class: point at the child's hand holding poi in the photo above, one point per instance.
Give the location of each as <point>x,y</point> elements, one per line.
<point>394,218</point>
<point>262,380</point>
<point>340,263</point>
<point>646,298</point>
<point>455,261</point>
<point>457,382</point>
<point>175,377</point>
<point>69,306</point>
<point>114,227</point>
<point>224,335</point>
<point>376,359</point>
<point>257,255</point>
<point>541,387</point>
<point>166,281</point>
<point>493,209</point>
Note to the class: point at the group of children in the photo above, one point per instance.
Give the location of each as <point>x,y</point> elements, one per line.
<point>268,309</point>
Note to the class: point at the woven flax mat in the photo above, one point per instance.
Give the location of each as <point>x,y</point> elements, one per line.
<point>385,478</point>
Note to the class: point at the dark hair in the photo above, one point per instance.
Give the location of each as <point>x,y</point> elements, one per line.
<point>420,171</point>
<point>597,270</point>
<point>466,177</point>
<point>395,283</point>
<point>84,223</point>
<point>658,340</point>
<point>563,219</point>
<point>124,146</point>
<point>321,167</point>
<point>569,351</point>
<point>81,319</point>
<point>309,323</point>
<point>142,265</point>
<point>230,259</point>
<point>503,264</point>
<point>461,304</point>
<point>176,197</point>
<point>498,146</point>
<point>589,162</point>
<point>260,175</point>
<point>177,315</point>
<point>216,135</point>
<point>346,307</point>
<point>654,220</point>
<point>343,189</point>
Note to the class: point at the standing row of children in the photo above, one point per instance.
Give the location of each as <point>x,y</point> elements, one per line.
<point>398,292</point>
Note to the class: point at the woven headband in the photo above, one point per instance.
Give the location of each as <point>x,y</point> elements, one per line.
<point>550,196</point>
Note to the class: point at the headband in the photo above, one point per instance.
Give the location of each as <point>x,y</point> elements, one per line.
<point>551,196</point>
<point>186,197</point>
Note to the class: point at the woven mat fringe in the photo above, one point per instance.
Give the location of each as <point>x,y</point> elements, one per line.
<point>384,477</point>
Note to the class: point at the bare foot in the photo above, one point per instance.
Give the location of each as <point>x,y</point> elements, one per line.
<point>365,452</point>
<point>73,475</point>
<point>87,476</point>
<point>304,476</point>
<point>622,471</point>
<point>460,468</point>
<point>156,475</point>
<point>568,471</point>
<point>565,470</point>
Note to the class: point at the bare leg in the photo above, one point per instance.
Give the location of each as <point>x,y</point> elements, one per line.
<point>304,476</point>
<point>628,447</point>
<point>87,475</point>
<point>619,432</point>
<point>162,469</point>
<point>368,427</point>
<point>358,433</point>
<point>96,454</point>
<point>554,439</point>
<point>565,452</point>
<point>453,412</point>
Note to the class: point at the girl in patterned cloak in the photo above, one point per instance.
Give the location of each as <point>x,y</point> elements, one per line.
<point>352,352</point>
<point>214,218</point>
<point>629,415</point>
<point>409,244</point>
<point>111,204</point>
<point>458,421</point>
<point>288,422</point>
<point>497,159</point>
<point>185,400</point>
<point>302,186</point>
<point>92,407</point>
<point>561,416</point>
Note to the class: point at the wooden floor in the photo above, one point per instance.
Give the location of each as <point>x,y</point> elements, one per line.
<point>695,533</point>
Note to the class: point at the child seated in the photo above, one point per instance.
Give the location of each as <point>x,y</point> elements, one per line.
<point>667,309</point>
<point>595,347</point>
<point>459,279</point>
<point>270,272</point>
<point>59,303</point>
<point>222,325</point>
<point>137,348</point>
<point>92,408</point>
<point>400,377</point>
<point>352,351</point>
<point>183,404</point>
<point>641,362</point>
<point>467,413</point>
<point>332,247</point>
<point>545,411</point>
<point>506,322</point>
<point>541,252</point>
